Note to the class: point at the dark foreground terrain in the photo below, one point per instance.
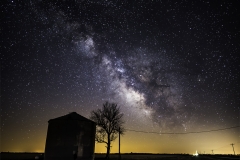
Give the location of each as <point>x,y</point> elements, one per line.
<point>168,157</point>
<point>40,156</point>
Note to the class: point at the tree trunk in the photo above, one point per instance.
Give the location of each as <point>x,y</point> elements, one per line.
<point>108,147</point>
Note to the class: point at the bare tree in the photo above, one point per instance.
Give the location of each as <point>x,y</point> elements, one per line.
<point>109,124</point>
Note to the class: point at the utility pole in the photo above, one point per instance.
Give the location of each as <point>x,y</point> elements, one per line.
<point>212,152</point>
<point>233,148</point>
<point>119,144</point>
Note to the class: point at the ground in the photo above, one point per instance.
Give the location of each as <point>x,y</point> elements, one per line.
<point>39,156</point>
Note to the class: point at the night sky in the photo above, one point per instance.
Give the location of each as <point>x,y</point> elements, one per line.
<point>171,66</point>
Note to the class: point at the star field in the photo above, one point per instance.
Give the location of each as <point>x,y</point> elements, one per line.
<point>170,66</point>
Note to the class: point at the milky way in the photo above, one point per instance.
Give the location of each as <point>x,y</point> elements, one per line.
<point>169,65</point>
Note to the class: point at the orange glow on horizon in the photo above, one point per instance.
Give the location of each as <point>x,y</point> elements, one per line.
<point>144,143</point>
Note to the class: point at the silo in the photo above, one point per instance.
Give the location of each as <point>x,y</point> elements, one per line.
<point>70,137</point>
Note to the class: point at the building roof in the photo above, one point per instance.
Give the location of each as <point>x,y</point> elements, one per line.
<point>72,116</point>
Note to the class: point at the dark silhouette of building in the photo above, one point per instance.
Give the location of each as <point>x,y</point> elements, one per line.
<point>70,137</point>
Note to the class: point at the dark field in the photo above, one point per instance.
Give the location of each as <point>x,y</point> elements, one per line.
<point>32,156</point>
<point>168,157</point>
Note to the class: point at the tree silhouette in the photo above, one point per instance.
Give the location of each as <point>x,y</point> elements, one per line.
<point>109,123</point>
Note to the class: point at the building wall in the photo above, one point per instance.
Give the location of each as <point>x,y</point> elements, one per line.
<point>65,137</point>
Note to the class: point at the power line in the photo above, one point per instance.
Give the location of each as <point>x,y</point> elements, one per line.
<point>215,130</point>
<point>219,148</point>
<point>222,147</point>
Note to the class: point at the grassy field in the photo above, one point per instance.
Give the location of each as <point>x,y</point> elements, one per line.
<point>19,156</point>
<point>168,157</point>
<point>33,156</point>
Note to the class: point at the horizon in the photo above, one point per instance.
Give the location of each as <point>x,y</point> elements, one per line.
<point>135,153</point>
<point>100,149</point>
